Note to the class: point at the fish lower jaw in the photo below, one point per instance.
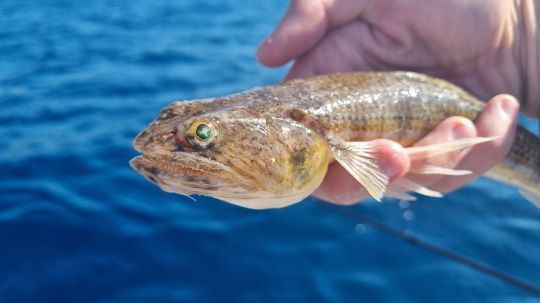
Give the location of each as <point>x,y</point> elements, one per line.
<point>163,165</point>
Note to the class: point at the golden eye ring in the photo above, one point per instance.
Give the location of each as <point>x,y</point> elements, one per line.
<point>203,132</point>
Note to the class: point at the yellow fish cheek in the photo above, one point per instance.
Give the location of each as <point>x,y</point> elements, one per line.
<point>308,167</point>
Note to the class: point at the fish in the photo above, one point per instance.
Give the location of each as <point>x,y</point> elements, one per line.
<point>270,146</point>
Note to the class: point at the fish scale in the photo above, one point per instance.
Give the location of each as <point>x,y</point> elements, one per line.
<point>433,101</point>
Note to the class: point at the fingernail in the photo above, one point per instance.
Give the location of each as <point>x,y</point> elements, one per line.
<point>268,39</point>
<point>460,131</point>
<point>508,107</point>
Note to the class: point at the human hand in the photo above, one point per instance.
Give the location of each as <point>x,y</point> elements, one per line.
<point>488,47</point>
<point>471,43</point>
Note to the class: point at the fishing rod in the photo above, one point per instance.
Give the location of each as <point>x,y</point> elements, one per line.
<point>406,236</point>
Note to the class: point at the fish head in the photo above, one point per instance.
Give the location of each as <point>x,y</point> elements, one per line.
<point>239,155</point>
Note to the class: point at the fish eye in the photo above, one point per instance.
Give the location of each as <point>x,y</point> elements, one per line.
<point>203,132</point>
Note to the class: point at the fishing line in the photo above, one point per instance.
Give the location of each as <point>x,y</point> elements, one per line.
<point>406,236</point>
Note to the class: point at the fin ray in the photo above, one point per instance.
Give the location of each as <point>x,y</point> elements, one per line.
<point>430,169</point>
<point>358,159</point>
<point>405,185</point>
<point>426,151</point>
<point>393,192</point>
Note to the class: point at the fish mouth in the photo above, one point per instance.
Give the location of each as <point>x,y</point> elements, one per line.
<point>147,166</point>
<point>184,164</point>
<point>184,172</point>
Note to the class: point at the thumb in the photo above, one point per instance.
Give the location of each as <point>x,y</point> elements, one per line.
<point>304,24</point>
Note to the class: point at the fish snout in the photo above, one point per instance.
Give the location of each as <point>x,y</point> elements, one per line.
<point>142,140</point>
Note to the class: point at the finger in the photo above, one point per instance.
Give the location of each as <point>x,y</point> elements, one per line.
<point>356,46</point>
<point>302,70</point>
<point>338,51</point>
<point>450,129</point>
<point>499,118</point>
<point>341,188</point>
<point>304,24</point>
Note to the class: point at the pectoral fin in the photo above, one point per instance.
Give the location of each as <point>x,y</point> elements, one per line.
<point>358,158</point>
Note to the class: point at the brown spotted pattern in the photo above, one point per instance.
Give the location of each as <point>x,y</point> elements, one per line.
<point>272,142</point>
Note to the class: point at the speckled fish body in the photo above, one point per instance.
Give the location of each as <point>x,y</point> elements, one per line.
<point>270,146</point>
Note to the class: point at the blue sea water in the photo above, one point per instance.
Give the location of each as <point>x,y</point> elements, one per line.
<point>79,79</point>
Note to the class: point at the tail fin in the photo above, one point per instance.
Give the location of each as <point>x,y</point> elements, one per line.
<point>534,198</point>
<point>521,167</point>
